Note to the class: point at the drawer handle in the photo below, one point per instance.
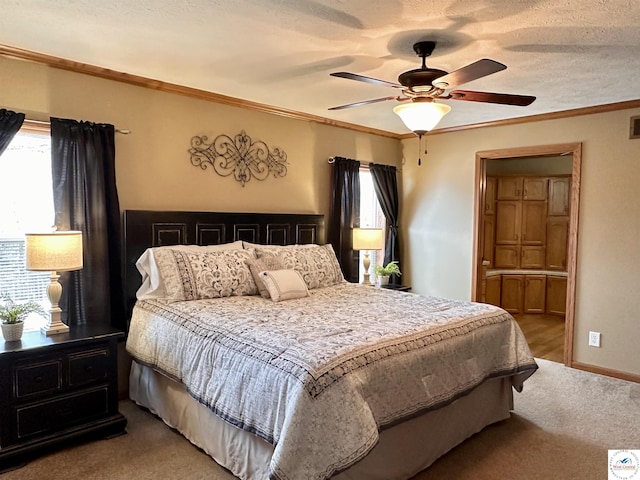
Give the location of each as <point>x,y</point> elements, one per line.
<point>64,411</point>
<point>88,368</point>
<point>38,379</point>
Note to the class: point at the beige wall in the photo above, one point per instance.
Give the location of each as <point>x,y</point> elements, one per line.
<point>152,164</point>
<point>438,209</point>
<point>154,172</point>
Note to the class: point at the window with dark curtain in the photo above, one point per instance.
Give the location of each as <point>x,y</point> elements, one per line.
<point>345,207</point>
<point>86,199</point>
<point>385,183</point>
<point>10,123</point>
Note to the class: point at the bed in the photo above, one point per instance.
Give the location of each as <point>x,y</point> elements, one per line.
<point>308,376</point>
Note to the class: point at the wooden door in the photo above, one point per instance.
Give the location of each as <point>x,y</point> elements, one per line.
<point>508,222</point>
<point>532,256</point>
<point>511,293</point>
<point>509,188</point>
<point>556,295</point>
<point>557,239</point>
<point>535,287</point>
<point>489,239</point>
<point>507,256</point>
<point>493,290</point>
<point>490,196</point>
<point>559,193</point>
<point>534,216</point>
<point>535,188</point>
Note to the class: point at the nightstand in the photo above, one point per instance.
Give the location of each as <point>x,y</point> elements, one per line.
<point>56,390</point>
<point>400,288</point>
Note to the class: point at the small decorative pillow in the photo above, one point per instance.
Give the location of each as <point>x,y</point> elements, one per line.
<point>194,275</point>
<point>284,284</point>
<point>266,262</point>
<point>319,266</point>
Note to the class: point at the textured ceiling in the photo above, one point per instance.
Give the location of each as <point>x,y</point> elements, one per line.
<point>567,53</point>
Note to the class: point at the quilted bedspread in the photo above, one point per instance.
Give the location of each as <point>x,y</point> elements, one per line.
<point>319,377</point>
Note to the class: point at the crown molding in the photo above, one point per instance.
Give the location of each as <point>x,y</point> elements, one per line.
<point>77,67</point>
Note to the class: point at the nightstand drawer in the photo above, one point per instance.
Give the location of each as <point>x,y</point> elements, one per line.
<point>63,412</point>
<point>35,378</point>
<point>88,367</point>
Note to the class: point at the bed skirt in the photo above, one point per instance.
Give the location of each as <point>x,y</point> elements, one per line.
<point>402,451</point>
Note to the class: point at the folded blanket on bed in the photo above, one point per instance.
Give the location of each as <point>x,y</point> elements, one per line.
<point>318,377</point>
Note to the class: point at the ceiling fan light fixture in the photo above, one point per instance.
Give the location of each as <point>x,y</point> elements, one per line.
<point>421,116</point>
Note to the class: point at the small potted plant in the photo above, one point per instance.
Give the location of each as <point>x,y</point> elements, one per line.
<point>12,316</point>
<point>383,273</point>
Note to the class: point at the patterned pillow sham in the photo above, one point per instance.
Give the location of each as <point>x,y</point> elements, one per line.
<point>152,285</point>
<point>267,261</point>
<point>319,266</point>
<point>284,284</point>
<point>195,275</point>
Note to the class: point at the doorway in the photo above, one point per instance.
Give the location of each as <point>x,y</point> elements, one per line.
<point>485,161</point>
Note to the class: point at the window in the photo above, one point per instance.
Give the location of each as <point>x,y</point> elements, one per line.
<point>370,216</point>
<point>26,205</point>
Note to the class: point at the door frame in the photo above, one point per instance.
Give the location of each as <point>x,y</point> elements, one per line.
<point>573,149</point>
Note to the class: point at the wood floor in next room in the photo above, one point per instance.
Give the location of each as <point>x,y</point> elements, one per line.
<point>545,335</point>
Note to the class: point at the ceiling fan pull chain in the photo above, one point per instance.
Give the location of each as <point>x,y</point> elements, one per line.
<point>420,148</point>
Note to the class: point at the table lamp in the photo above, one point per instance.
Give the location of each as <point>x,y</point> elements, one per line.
<point>367,239</point>
<point>57,251</point>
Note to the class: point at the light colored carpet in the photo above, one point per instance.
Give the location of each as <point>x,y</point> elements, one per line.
<point>564,422</point>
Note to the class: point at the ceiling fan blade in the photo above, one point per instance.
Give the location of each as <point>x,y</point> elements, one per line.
<point>473,71</point>
<point>366,102</point>
<point>503,98</point>
<point>362,78</point>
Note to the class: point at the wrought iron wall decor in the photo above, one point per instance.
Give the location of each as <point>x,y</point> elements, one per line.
<point>239,157</point>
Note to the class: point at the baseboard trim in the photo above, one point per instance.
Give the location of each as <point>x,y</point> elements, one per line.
<point>606,371</point>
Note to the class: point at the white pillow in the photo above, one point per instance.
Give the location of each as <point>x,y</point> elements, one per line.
<point>284,284</point>
<point>152,284</point>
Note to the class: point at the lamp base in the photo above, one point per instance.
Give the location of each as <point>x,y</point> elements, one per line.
<point>54,329</point>
<point>366,263</point>
<point>55,325</point>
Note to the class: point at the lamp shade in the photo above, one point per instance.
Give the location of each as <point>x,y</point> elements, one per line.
<point>367,239</point>
<point>54,251</point>
<point>421,116</point>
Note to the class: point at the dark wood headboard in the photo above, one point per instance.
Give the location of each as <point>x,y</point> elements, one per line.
<point>147,228</point>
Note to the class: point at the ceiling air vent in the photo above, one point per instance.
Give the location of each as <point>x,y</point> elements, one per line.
<point>634,127</point>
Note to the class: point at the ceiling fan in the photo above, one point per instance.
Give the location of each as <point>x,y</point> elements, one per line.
<point>423,86</point>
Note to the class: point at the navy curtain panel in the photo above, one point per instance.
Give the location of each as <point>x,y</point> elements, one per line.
<point>385,184</point>
<point>10,123</point>
<point>86,199</point>
<point>345,214</point>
